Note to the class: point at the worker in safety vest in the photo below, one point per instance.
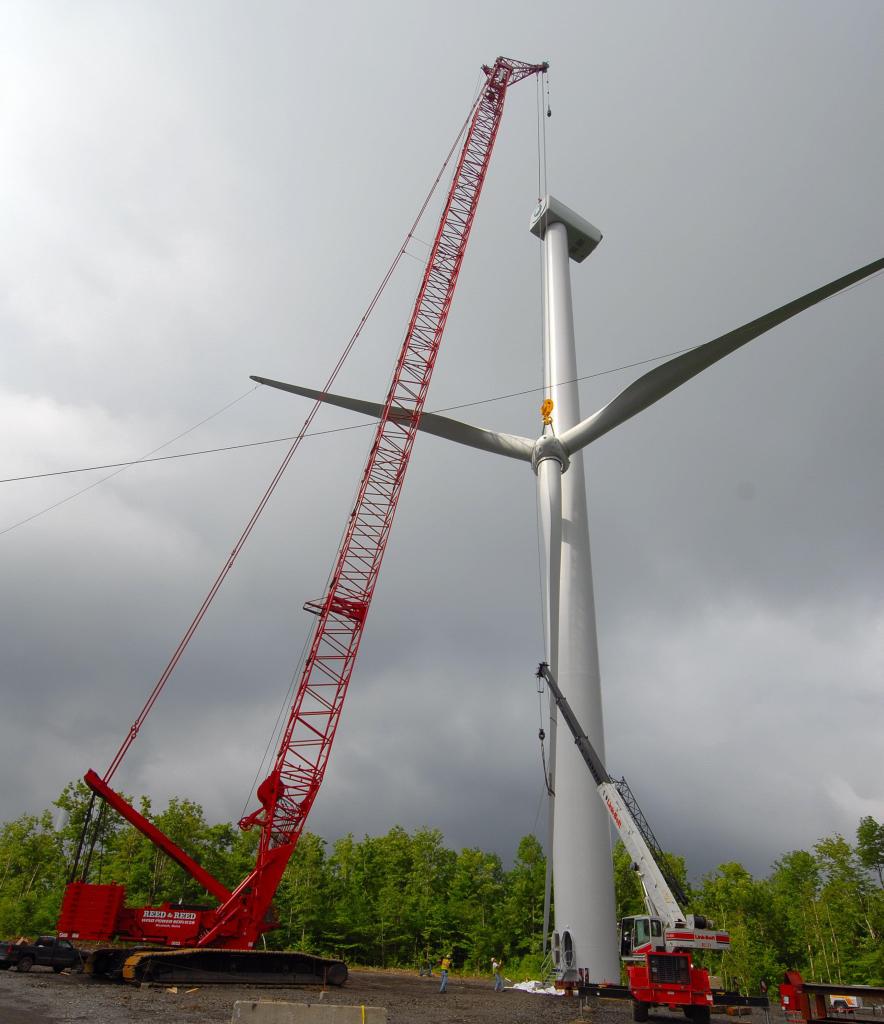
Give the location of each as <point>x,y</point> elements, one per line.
<point>445,967</point>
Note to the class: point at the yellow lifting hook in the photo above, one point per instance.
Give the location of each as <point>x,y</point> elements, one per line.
<point>546,411</point>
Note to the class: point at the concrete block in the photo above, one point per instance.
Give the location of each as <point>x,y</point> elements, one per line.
<point>273,1012</point>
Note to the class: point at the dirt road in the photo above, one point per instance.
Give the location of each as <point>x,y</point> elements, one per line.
<point>41,997</point>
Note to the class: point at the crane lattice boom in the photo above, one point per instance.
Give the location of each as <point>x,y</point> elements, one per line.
<point>288,792</point>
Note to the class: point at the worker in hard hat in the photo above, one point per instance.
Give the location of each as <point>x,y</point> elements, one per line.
<point>444,968</point>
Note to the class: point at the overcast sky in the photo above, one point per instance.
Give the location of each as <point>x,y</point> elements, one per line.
<point>193,193</point>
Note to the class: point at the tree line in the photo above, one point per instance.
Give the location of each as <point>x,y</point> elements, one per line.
<point>400,899</point>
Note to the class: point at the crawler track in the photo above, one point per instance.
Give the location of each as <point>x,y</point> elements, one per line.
<point>215,966</point>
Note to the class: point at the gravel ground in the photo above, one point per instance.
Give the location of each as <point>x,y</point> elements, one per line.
<point>41,997</point>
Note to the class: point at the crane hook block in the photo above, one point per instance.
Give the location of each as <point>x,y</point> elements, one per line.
<point>546,411</point>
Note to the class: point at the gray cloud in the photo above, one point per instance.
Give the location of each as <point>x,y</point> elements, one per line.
<point>191,196</point>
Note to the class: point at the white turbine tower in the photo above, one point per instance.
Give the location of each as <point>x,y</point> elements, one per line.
<point>584,942</point>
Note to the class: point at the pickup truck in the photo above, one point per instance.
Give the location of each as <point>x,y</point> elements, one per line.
<point>47,951</point>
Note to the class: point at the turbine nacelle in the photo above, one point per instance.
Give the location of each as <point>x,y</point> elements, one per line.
<point>583,237</point>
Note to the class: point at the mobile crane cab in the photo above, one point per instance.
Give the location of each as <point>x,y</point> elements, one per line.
<point>640,935</point>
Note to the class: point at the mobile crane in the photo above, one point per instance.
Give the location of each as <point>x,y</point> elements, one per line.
<point>657,946</point>
<point>217,943</point>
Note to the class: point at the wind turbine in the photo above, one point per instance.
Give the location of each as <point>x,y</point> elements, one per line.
<point>584,945</point>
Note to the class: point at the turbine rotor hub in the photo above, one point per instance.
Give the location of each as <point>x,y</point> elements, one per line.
<point>548,446</point>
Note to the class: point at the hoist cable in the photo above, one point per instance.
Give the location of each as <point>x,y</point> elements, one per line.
<point>272,742</point>
<point>538,90</point>
<point>546,389</point>
<point>84,830</point>
<point>118,466</point>
<point>543,120</point>
<point>542,191</point>
<point>541,735</point>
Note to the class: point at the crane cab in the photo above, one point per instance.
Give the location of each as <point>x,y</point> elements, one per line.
<point>640,935</point>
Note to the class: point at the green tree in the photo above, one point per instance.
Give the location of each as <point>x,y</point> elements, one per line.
<point>76,803</point>
<point>349,929</point>
<point>740,904</point>
<point>426,893</point>
<point>390,859</point>
<point>302,900</point>
<point>521,920</point>
<point>397,898</point>
<point>843,910</point>
<point>129,861</point>
<point>31,874</point>
<point>476,896</point>
<point>793,888</point>
<point>870,846</point>
<point>627,885</point>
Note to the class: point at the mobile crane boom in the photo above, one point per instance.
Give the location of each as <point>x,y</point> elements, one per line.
<point>683,931</point>
<point>657,947</point>
<point>658,896</point>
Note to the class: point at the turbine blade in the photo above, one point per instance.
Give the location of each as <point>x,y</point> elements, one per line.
<point>659,382</point>
<point>494,441</point>
<point>549,506</point>
<point>511,445</point>
<point>549,521</point>
<point>353,404</point>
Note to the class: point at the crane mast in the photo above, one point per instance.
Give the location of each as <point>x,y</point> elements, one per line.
<point>287,793</point>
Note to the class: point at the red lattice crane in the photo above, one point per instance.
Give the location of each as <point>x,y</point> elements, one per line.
<point>287,793</point>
